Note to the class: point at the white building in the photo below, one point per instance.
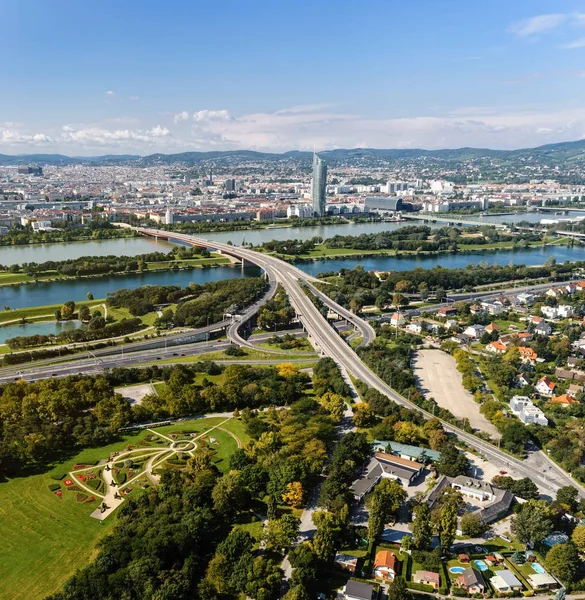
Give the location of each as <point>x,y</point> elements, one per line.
<point>302,211</point>
<point>474,331</point>
<point>525,410</point>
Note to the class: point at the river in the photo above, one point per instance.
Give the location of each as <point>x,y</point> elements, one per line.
<point>60,291</point>
<point>133,246</point>
<point>41,328</point>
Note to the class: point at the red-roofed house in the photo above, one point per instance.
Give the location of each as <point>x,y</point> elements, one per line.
<point>564,400</point>
<point>385,565</point>
<point>527,355</point>
<point>496,347</point>
<point>545,387</point>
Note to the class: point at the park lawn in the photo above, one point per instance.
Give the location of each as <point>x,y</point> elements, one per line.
<point>215,259</point>
<point>42,311</point>
<point>356,341</point>
<point>254,528</point>
<point>8,278</point>
<point>45,539</point>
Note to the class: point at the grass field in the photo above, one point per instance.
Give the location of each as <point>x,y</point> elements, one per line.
<point>250,355</point>
<point>45,539</point>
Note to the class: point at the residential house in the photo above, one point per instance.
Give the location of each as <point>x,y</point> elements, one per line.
<point>571,288</point>
<point>573,361</point>
<point>496,347</point>
<point>542,581</point>
<point>527,355</point>
<point>543,329</point>
<point>356,590</point>
<point>492,327</point>
<point>416,327</point>
<point>574,389</point>
<point>524,336</point>
<point>347,562</point>
<point>550,312</point>
<point>412,453</point>
<point>564,400</point>
<point>556,292</point>
<point>497,501</point>
<point>570,374</point>
<point>397,319</point>
<point>475,488</point>
<point>522,380</point>
<point>525,298</point>
<point>580,286</point>
<point>534,320</point>
<point>564,311</point>
<point>545,387</point>
<point>385,565</point>
<point>447,311</point>
<point>492,308</point>
<point>427,578</point>
<point>523,407</point>
<point>474,331</point>
<point>505,581</point>
<point>472,581</point>
<point>385,466</point>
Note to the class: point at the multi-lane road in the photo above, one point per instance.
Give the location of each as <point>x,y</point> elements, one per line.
<point>328,343</point>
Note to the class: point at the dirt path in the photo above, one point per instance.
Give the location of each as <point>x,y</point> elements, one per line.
<point>438,378</point>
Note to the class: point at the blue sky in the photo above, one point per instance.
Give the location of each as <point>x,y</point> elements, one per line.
<point>125,76</point>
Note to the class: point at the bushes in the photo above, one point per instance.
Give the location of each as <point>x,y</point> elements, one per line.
<point>53,487</point>
<point>421,587</point>
<point>59,476</point>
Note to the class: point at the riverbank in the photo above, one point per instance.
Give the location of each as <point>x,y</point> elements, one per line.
<point>322,253</point>
<point>9,278</point>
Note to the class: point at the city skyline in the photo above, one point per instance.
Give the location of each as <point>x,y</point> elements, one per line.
<point>144,78</point>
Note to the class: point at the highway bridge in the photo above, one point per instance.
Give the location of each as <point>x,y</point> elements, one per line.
<point>326,341</point>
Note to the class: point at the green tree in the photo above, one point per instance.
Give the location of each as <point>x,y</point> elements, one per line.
<point>472,525</point>
<point>328,529</point>
<point>533,522</point>
<point>68,309</point>
<point>229,494</point>
<point>452,462</point>
<point>281,533</point>
<point>397,590</point>
<point>89,296</point>
<point>447,526</point>
<point>84,314</point>
<point>578,537</point>
<point>568,496</point>
<point>58,315</point>
<point>563,561</point>
<point>422,532</point>
<point>334,404</point>
<point>383,503</point>
<point>263,580</point>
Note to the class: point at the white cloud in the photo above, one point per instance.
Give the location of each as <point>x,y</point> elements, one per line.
<point>578,43</point>
<point>211,115</point>
<point>182,116</point>
<point>110,93</point>
<point>305,127</point>
<point>538,24</point>
<point>133,97</point>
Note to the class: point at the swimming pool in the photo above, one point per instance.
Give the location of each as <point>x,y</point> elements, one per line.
<point>538,568</point>
<point>456,570</point>
<point>482,566</point>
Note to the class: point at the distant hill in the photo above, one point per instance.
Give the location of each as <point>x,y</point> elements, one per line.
<point>571,153</point>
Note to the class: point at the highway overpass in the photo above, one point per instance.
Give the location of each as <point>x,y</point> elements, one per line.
<point>326,341</point>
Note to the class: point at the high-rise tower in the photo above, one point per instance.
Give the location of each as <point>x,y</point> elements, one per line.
<point>319,185</point>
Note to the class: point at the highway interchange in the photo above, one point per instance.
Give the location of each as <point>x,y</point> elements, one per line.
<point>323,337</point>
<point>328,343</point>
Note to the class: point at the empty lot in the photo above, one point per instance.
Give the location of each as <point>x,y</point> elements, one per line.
<point>438,378</point>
